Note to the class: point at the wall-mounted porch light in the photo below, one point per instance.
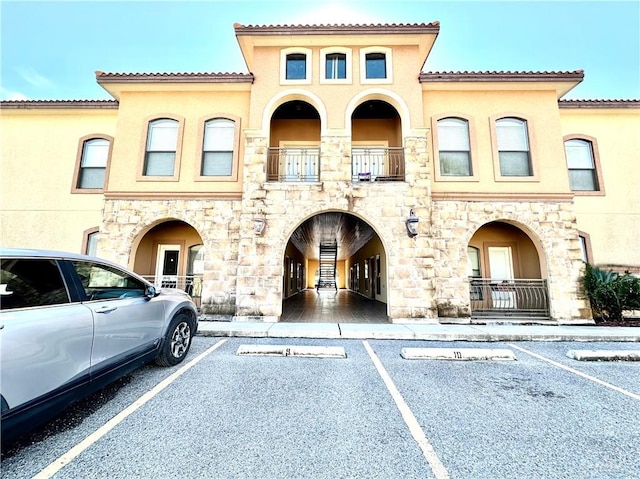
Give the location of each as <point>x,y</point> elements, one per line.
<point>412,224</point>
<point>258,225</point>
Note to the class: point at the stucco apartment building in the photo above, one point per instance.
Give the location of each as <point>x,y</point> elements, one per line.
<point>336,162</point>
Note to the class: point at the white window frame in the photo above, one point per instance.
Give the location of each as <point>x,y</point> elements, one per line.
<point>597,170</point>
<point>388,63</point>
<point>348,80</point>
<point>308,70</point>
<point>210,129</point>
<point>534,175</point>
<point>142,175</point>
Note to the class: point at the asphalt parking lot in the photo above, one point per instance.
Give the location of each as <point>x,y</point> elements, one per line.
<point>372,414</point>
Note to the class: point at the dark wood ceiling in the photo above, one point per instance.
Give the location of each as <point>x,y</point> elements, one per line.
<point>349,232</point>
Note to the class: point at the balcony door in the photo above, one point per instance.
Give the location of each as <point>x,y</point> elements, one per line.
<point>167,265</point>
<point>501,268</point>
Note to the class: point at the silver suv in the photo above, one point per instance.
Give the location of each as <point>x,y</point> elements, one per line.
<point>70,324</point>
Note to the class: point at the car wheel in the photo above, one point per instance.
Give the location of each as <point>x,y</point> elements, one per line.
<point>176,342</point>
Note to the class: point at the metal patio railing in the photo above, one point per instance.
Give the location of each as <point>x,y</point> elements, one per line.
<point>293,164</point>
<point>191,284</point>
<point>377,164</point>
<point>509,298</point>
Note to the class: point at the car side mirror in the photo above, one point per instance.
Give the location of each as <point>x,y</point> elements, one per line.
<point>151,292</point>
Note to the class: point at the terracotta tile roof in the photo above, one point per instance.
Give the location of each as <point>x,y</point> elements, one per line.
<point>599,103</point>
<point>58,104</point>
<point>103,77</point>
<point>490,76</point>
<point>379,29</point>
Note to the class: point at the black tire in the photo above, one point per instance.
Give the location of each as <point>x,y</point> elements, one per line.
<point>177,341</point>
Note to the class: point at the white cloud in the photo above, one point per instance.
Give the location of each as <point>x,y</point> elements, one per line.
<point>34,78</point>
<point>12,95</point>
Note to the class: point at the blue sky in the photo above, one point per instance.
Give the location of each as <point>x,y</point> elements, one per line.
<point>50,50</point>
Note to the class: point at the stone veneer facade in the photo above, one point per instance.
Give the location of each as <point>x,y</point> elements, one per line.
<point>426,275</point>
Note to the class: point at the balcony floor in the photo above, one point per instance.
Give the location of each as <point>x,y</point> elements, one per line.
<point>329,306</point>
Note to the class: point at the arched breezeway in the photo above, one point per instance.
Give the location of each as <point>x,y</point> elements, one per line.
<point>334,271</point>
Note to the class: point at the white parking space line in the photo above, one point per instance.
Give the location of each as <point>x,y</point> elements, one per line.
<point>578,373</point>
<point>75,451</point>
<point>410,420</point>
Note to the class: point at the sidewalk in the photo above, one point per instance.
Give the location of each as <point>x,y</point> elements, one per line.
<point>410,331</point>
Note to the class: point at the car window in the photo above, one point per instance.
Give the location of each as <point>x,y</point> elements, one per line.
<point>25,283</point>
<point>104,282</point>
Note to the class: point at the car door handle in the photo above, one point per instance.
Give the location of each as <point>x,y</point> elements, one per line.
<point>106,309</point>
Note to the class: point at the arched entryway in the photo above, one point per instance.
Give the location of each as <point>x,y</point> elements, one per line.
<point>171,255</point>
<point>506,274</point>
<point>294,143</point>
<point>376,142</point>
<point>335,271</point>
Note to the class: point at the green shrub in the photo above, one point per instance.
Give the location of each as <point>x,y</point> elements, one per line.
<point>610,293</point>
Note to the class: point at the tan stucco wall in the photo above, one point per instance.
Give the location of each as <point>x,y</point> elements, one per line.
<point>194,107</point>
<point>612,221</point>
<point>333,98</point>
<point>538,108</point>
<point>39,150</point>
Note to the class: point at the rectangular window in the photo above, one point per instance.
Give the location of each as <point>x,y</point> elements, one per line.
<point>582,171</point>
<point>162,141</point>
<point>217,155</point>
<point>376,65</point>
<point>95,154</point>
<point>453,143</point>
<point>336,66</point>
<point>92,244</point>
<point>513,147</point>
<point>296,66</point>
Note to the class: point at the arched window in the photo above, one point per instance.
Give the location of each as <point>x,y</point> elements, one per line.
<point>581,165</point>
<point>162,142</point>
<point>513,147</point>
<point>217,150</point>
<point>453,144</point>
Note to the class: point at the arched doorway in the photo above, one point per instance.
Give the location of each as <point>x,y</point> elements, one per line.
<point>294,143</point>
<point>335,271</point>
<point>506,274</point>
<point>171,255</point>
<point>376,142</point>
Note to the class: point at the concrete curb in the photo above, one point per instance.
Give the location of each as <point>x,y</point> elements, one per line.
<point>412,331</point>
<point>334,352</point>
<point>458,354</point>
<point>603,355</point>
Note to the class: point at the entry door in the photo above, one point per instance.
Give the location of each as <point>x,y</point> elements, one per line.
<point>501,268</point>
<point>500,263</point>
<point>167,266</point>
<point>373,274</point>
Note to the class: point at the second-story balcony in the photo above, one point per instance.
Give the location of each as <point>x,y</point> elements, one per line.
<point>377,164</point>
<point>293,164</point>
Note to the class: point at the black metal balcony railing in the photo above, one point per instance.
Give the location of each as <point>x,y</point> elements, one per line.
<point>512,298</point>
<point>377,164</point>
<point>191,284</point>
<point>293,164</point>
